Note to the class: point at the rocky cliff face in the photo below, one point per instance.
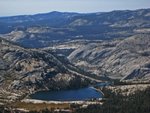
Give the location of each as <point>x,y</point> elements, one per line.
<point>124,59</point>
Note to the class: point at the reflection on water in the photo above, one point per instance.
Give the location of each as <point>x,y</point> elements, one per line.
<point>68,95</point>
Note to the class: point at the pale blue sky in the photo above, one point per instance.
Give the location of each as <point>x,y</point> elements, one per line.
<point>21,7</point>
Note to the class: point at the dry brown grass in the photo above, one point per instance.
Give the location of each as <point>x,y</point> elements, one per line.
<point>40,106</point>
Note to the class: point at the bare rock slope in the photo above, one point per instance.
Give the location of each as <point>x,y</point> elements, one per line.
<point>124,59</point>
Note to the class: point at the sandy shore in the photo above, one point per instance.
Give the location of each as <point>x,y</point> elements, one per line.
<point>48,102</point>
<point>59,102</point>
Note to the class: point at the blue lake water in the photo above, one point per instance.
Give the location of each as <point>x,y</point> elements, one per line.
<point>67,95</point>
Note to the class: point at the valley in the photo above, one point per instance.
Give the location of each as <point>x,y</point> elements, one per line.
<point>60,58</point>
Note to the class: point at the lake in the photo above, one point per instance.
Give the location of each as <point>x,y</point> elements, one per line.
<point>68,95</point>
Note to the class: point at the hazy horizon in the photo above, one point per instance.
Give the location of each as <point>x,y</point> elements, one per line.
<point>30,7</point>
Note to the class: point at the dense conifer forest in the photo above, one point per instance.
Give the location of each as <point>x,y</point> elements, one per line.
<point>116,103</point>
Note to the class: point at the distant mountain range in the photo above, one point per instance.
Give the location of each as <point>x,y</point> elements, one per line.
<point>41,30</point>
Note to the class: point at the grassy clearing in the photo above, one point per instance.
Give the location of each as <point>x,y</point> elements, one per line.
<point>40,106</point>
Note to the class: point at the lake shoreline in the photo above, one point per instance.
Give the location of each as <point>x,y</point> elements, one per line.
<point>36,101</point>
<point>83,94</point>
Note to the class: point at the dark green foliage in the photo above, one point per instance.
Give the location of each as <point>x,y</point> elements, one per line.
<point>136,103</point>
<point>78,83</point>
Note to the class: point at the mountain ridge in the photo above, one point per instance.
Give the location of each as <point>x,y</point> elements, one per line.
<point>65,12</point>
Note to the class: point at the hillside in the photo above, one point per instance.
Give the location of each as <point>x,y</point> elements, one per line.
<point>123,59</point>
